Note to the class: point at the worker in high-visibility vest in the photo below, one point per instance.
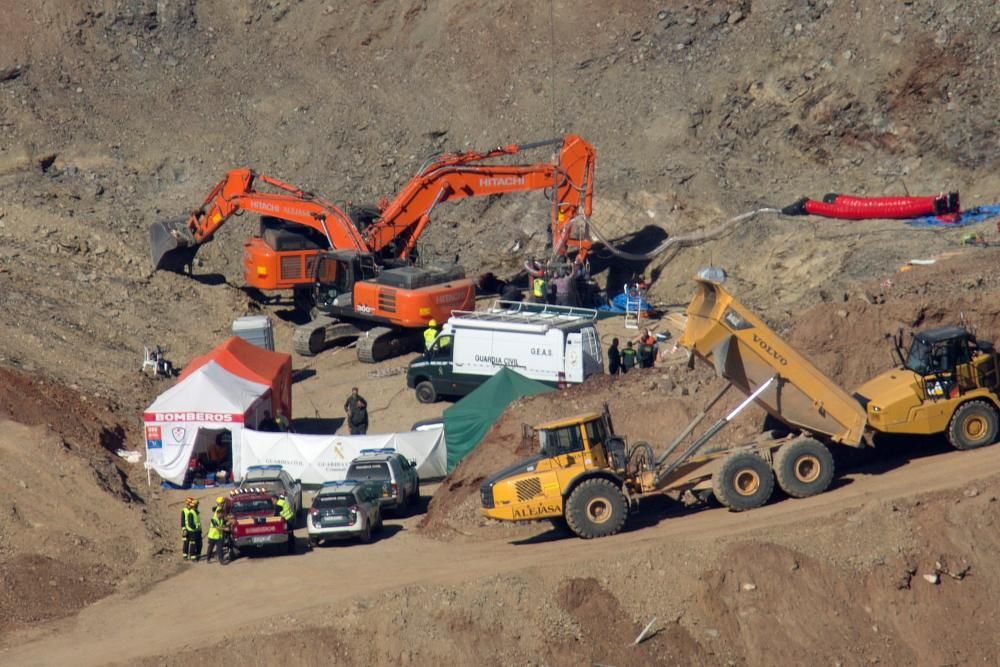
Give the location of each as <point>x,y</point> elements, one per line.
<point>215,531</point>
<point>286,512</point>
<point>430,333</point>
<point>191,529</point>
<point>539,289</point>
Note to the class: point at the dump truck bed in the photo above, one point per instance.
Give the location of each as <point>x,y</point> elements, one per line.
<point>745,351</point>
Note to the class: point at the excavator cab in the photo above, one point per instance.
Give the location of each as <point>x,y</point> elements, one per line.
<point>336,273</point>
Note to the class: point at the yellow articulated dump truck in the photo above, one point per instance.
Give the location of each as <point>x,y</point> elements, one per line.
<point>590,476</point>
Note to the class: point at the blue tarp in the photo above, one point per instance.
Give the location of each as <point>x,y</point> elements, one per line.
<point>963,219</point>
<point>618,304</point>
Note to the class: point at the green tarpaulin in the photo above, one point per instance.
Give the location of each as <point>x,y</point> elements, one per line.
<point>466,422</point>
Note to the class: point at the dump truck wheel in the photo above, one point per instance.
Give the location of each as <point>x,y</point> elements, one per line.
<point>974,424</point>
<point>744,482</point>
<point>804,468</point>
<point>596,508</point>
<point>426,392</point>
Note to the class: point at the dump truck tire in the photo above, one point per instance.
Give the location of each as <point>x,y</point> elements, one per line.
<point>596,508</point>
<point>804,468</point>
<point>745,481</point>
<point>974,424</point>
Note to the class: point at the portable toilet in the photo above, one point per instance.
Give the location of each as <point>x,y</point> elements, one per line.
<point>255,329</point>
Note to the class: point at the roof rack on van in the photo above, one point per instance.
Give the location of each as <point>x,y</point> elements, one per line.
<point>501,306</point>
<point>524,316</point>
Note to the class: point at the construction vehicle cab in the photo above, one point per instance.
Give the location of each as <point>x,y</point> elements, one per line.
<point>335,275</point>
<point>948,384</point>
<point>576,474</point>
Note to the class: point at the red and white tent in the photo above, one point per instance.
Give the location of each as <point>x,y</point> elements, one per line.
<point>252,363</point>
<point>235,386</point>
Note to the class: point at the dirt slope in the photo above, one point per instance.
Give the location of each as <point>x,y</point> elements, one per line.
<point>119,113</point>
<point>839,562</point>
<point>654,405</point>
<point>115,113</point>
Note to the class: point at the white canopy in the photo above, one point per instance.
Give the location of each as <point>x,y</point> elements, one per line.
<point>211,390</point>
<point>209,399</point>
<point>324,458</point>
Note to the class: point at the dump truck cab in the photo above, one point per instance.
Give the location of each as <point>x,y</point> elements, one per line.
<point>947,383</point>
<point>573,453</point>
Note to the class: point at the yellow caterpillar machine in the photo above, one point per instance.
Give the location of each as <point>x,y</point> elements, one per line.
<point>590,477</point>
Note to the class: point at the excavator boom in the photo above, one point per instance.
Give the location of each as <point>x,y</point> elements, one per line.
<point>173,243</point>
<point>457,176</point>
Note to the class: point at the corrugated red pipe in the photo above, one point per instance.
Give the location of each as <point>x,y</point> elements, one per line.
<point>849,207</point>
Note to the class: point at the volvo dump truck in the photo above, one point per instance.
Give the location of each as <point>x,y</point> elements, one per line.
<point>590,477</point>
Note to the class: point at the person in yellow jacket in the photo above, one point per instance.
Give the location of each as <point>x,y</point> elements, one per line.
<point>215,531</point>
<point>539,289</point>
<point>430,333</point>
<point>191,529</point>
<point>285,510</point>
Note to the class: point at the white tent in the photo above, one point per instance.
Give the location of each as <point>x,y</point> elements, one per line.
<point>324,458</point>
<point>183,419</point>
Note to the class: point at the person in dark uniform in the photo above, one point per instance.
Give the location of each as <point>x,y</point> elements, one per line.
<point>614,358</point>
<point>356,408</point>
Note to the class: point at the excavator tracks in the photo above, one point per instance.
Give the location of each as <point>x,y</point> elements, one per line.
<point>316,335</point>
<point>382,343</point>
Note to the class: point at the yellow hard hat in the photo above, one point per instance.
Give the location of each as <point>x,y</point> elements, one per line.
<point>220,500</point>
<point>432,323</point>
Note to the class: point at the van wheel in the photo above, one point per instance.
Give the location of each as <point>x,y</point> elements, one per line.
<point>596,508</point>
<point>804,468</point>
<point>366,535</point>
<point>426,392</point>
<point>973,425</point>
<point>744,482</point>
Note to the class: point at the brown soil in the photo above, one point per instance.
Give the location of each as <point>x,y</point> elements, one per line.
<point>866,317</point>
<point>75,527</point>
<point>837,577</point>
<point>646,405</point>
<point>116,114</point>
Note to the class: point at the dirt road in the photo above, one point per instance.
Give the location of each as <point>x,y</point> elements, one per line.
<point>251,591</point>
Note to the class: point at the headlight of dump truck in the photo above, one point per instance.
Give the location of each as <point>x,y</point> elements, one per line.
<point>486,496</point>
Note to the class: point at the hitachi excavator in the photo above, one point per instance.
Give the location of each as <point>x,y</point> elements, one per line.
<point>355,271</point>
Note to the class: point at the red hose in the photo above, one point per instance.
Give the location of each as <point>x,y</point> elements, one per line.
<point>849,207</point>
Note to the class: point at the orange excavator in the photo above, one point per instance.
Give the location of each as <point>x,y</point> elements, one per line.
<point>356,271</point>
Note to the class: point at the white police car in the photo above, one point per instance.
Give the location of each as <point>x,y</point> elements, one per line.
<point>345,509</point>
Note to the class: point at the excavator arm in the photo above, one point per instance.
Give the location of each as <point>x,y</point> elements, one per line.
<point>173,243</point>
<point>457,176</point>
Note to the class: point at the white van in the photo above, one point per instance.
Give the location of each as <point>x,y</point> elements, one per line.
<point>552,344</point>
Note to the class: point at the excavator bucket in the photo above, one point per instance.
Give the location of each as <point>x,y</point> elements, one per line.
<point>171,245</point>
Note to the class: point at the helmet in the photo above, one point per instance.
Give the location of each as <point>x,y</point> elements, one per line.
<point>432,323</point>
<point>220,500</point>
<point>189,501</point>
